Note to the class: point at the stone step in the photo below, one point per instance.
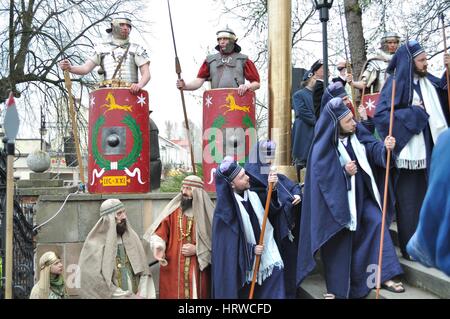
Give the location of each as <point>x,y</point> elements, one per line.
<point>36,183</point>
<point>429,279</point>
<point>420,276</point>
<point>51,176</point>
<point>38,191</point>
<point>313,287</point>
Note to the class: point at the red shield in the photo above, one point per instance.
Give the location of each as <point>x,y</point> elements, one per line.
<point>370,102</point>
<point>118,142</point>
<point>228,129</point>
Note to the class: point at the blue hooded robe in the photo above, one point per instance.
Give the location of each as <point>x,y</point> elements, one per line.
<point>232,256</point>
<point>409,120</point>
<point>430,244</point>
<point>285,224</point>
<point>349,257</point>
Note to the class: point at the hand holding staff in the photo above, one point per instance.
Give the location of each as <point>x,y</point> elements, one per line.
<point>272,181</point>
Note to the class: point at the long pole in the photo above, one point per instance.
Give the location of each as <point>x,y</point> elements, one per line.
<point>72,113</point>
<point>447,67</point>
<point>386,185</point>
<point>325,49</point>
<point>178,71</point>
<point>261,240</point>
<point>9,220</point>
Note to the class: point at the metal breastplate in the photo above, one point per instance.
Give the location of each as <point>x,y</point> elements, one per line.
<point>228,71</point>
<point>128,71</point>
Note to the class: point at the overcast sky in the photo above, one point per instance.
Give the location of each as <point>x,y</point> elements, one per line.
<point>195,24</point>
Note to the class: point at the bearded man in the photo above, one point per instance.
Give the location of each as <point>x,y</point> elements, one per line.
<point>420,117</point>
<point>112,261</point>
<point>180,239</point>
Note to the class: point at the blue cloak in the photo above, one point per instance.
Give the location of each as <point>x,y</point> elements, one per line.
<point>430,244</point>
<point>326,212</point>
<point>286,223</point>
<point>232,256</point>
<point>303,128</point>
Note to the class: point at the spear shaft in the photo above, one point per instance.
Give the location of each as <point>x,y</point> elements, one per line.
<point>447,67</point>
<point>178,71</point>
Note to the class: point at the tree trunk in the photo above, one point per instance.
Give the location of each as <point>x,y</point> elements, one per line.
<point>356,41</point>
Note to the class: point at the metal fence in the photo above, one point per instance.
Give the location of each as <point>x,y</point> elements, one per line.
<point>23,248</point>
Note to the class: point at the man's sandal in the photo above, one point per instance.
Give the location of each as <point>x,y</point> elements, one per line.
<point>396,287</point>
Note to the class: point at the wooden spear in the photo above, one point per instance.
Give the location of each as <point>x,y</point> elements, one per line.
<point>447,67</point>
<point>178,71</point>
<point>261,240</point>
<point>386,184</point>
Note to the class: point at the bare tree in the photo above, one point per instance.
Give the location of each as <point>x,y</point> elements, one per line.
<point>356,41</point>
<point>39,34</point>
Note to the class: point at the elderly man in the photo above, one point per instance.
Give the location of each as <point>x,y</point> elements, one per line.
<point>227,69</point>
<point>118,51</point>
<point>420,117</point>
<point>112,261</point>
<point>180,239</point>
<point>51,280</point>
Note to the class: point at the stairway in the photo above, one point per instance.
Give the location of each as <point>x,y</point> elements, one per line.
<point>420,282</point>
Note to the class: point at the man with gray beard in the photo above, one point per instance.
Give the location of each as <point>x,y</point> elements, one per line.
<point>420,117</point>
<point>227,69</point>
<point>180,239</point>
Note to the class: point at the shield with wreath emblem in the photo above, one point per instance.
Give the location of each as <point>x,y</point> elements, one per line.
<point>228,129</point>
<point>118,141</point>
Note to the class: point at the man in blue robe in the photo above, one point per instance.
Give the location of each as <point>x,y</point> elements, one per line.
<point>420,116</point>
<point>430,244</point>
<point>341,211</point>
<point>305,120</point>
<point>237,221</point>
<point>285,224</point>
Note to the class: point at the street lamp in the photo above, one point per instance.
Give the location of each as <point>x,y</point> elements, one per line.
<point>324,6</point>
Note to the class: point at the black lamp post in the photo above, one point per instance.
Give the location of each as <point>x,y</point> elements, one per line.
<point>324,6</point>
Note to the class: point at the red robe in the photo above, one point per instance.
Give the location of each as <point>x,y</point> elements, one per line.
<point>176,279</point>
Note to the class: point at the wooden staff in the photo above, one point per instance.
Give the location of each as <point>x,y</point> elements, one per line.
<point>72,112</point>
<point>73,120</point>
<point>178,71</point>
<point>386,184</point>
<point>446,66</point>
<point>261,240</point>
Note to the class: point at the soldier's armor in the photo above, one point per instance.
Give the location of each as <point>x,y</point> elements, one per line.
<point>375,72</point>
<point>110,55</point>
<point>226,71</point>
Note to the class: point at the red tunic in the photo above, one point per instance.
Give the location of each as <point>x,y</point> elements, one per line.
<point>250,72</point>
<point>176,279</point>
